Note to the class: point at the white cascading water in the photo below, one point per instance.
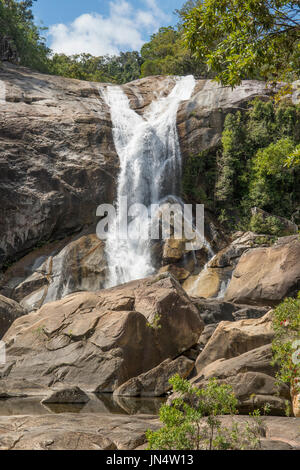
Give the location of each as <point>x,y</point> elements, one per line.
<point>150,170</point>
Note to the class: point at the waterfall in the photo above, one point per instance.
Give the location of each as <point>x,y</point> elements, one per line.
<point>150,170</point>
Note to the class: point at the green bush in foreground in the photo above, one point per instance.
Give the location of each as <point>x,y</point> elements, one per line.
<point>191,422</point>
<point>286,344</point>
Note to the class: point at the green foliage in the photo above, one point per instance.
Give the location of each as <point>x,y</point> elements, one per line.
<point>272,184</point>
<point>252,168</point>
<point>232,158</point>
<point>192,421</point>
<point>115,69</point>
<point>198,178</point>
<point>268,225</point>
<point>167,54</point>
<point>241,39</point>
<point>286,343</point>
<point>155,323</point>
<point>17,24</point>
<point>293,159</point>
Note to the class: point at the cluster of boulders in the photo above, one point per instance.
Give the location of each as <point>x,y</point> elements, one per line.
<point>131,339</point>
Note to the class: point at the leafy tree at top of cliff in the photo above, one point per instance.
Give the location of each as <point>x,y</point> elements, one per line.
<point>167,54</point>
<point>17,24</point>
<point>116,69</point>
<point>246,38</point>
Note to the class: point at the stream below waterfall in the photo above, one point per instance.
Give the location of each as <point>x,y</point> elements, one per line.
<point>98,404</point>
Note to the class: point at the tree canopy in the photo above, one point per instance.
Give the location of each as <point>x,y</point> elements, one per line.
<point>241,39</point>
<point>229,40</point>
<point>115,69</point>
<point>167,54</point>
<point>17,24</point>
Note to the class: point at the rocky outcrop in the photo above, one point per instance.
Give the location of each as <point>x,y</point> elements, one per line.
<point>9,312</point>
<point>252,378</point>
<point>241,242</point>
<point>274,432</point>
<point>213,281</point>
<point>232,339</point>
<point>155,383</point>
<point>56,270</point>
<point>278,275</point>
<point>213,311</point>
<point>75,432</point>
<point>201,120</point>
<point>207,284</point>
<point>100,340</point>
<point>239,353</point>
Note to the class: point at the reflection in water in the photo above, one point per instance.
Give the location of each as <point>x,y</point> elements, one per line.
<point>99,404</point>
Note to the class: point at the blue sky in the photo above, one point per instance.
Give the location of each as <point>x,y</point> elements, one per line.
<point>103,26</point>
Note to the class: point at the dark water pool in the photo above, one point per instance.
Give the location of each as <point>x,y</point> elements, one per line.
<point>99,404</point>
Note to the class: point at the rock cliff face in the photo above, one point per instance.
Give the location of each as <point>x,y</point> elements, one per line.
<point>57,157</point>
<point>57,160</point>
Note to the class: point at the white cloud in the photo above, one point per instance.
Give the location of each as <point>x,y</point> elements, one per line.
<point>123,29</point>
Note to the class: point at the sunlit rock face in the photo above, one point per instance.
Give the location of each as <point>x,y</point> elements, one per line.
<point>57,158</point>
<point>100,340</point>
<point>201,119</point>
<point>57,154</point>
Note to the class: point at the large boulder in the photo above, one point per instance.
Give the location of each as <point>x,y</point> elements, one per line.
<point>91,431</point>
<point>9,312</point>
<point>231,339</point>
<point>214,311</point>
<point>100,340</point>
<point>296,401</point>
<point>252,378</point>
<point>278,275</point>
<point>66,396</point>
<point>206,284</point>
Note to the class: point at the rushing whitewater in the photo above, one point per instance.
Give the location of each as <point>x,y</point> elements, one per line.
<point>150,170</point>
